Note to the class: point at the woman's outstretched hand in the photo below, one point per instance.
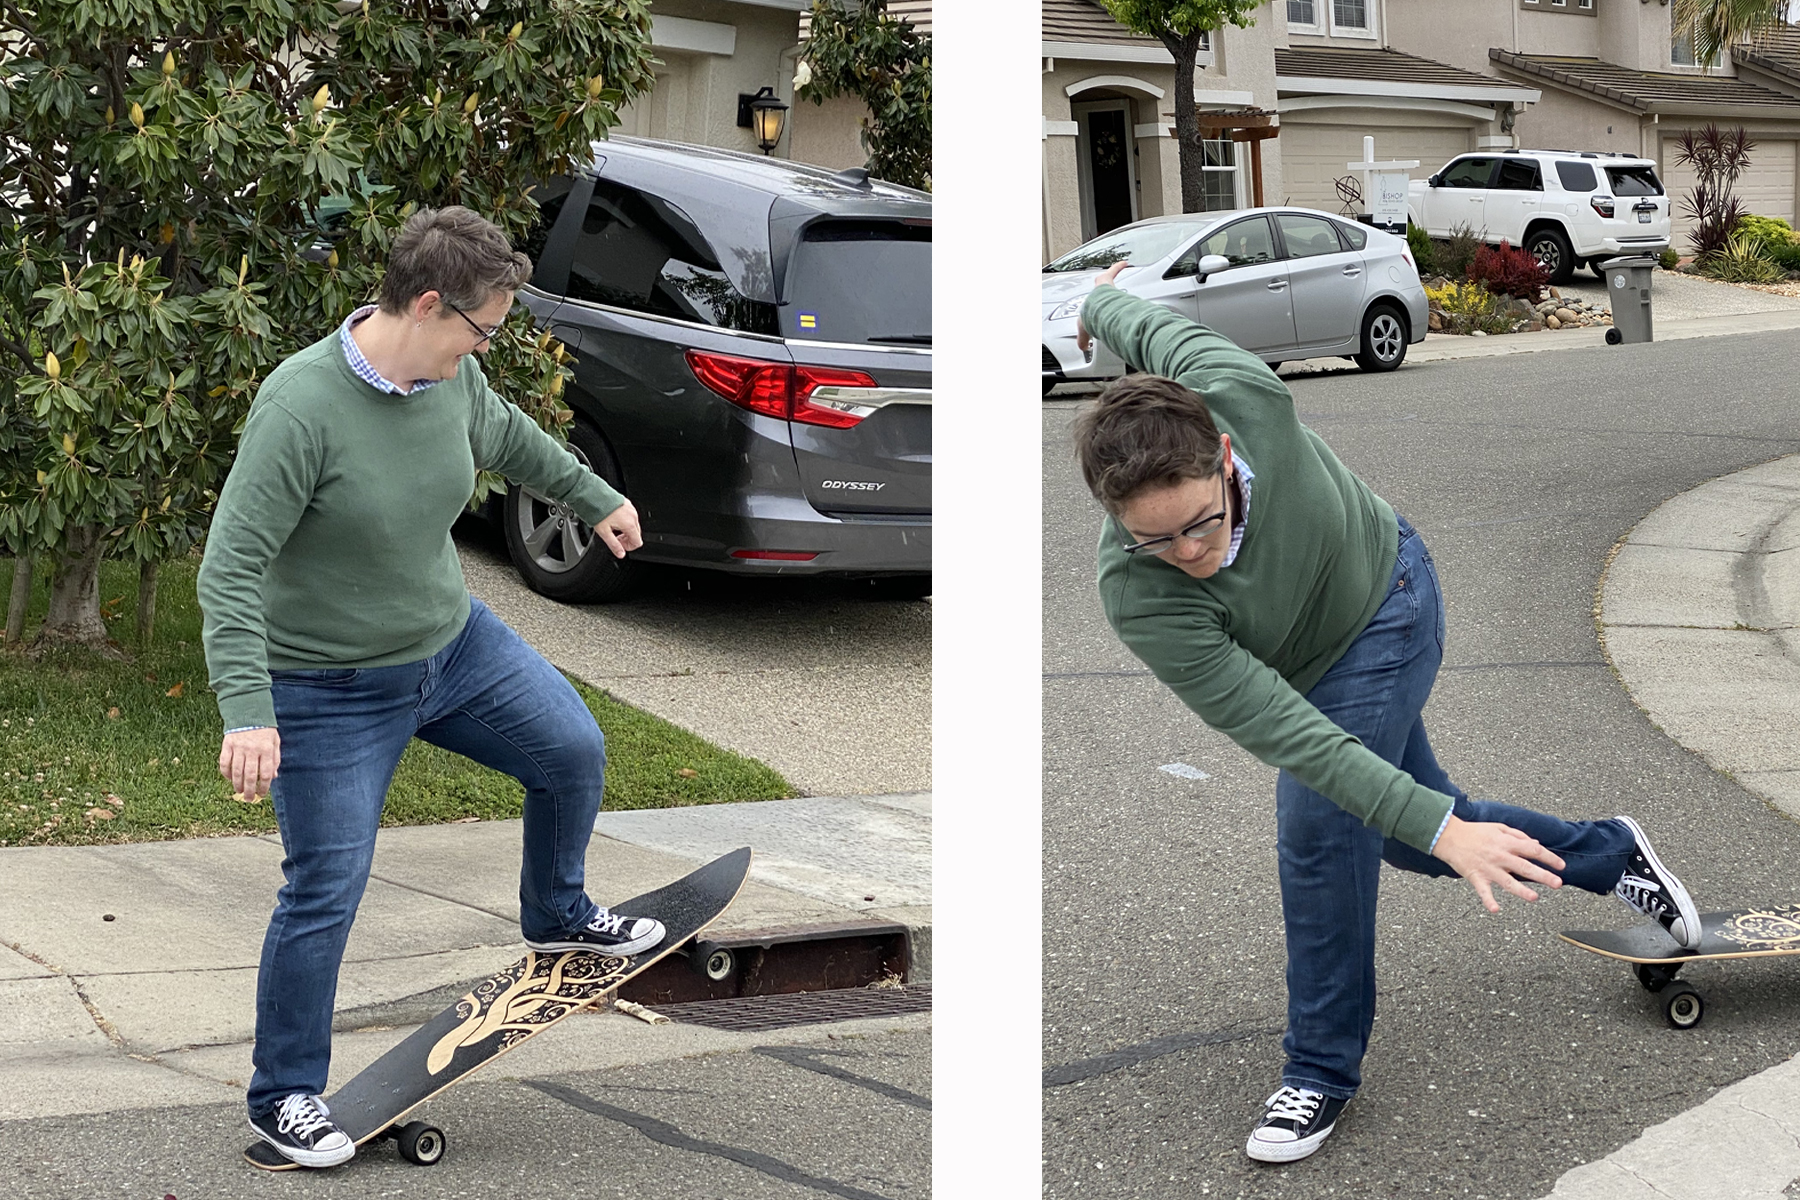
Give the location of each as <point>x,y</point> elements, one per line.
<point>1487,853</point>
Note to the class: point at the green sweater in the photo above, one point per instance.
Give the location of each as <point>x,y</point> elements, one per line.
<point>1243,647</point>
<point>330,544</point>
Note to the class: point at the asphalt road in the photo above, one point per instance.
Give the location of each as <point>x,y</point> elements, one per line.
<point>800,1118</point>
<point>1501,1057</point>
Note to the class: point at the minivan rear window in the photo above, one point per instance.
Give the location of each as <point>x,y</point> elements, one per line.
<point>1634,181</point>
<point>1576,177</point>
<point>860,281</point>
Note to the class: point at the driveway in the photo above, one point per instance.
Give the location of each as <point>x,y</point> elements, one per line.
<point>827,686</point>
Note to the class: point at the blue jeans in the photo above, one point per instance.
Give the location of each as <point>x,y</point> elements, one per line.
<point>488,696</point>
<point>1331,862</point>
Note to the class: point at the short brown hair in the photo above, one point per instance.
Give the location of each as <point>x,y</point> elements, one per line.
<point>455,252</point>
<point>1144,431</point>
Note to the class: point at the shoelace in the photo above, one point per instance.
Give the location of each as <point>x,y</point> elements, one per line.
<point>1642,894</point>
<point>1294,1104</point>
<point>301,1115</point>
<point>607,922</point>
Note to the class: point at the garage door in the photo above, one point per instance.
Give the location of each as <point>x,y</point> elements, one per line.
<point>1314,156</point>
<point>1766,187</point>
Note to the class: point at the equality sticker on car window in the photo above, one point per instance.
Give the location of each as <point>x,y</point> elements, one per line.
<point>809,320</point>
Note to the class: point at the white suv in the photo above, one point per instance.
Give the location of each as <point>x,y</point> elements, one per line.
<point>1565,207</point>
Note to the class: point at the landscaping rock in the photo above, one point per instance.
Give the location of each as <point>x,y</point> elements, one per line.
<point>1436,321</point>
<point>1534,325</point>
<point>1552,322</point>
<point>1555,295</point>
<point>1566,315</point>
<point>1478,333</point>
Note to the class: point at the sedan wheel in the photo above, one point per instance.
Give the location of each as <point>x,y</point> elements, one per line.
<point>1383,340</point>
<point>554,550</point>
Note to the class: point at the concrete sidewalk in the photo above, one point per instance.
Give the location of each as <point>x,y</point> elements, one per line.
<point>128,973</point>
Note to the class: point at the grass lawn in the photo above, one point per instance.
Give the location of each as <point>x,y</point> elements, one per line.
<point>95,751</point>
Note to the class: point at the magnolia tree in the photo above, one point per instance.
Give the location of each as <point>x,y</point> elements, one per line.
<point>854,47</point>
<point>195,189</point>
<point>1180,25</point>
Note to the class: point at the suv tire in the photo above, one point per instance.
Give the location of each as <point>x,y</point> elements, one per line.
<point>574,567</point>
<point>1384,337</point>
<point>1550,246</point>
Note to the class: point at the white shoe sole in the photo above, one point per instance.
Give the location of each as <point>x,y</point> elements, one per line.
<point>1677,891</point>
<point>1280,1152</point>
<point>309,1158</point>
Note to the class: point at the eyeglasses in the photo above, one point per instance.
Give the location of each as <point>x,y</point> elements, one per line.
<point>1204,527</point>
<point>485,335</point>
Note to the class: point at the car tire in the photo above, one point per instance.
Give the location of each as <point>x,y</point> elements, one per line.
<point>571,565</point>
<point>1383,340</point>
<point>1050,382</point>
<point>1594,266</point>
<point>1551,248</point>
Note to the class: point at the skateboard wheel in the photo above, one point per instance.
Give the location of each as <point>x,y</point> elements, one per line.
<point>421,1144</point>
<point>720,963</point>
<point>1653,977</point>
<point>1682,1006</point>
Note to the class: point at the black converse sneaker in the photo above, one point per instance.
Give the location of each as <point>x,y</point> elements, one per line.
<point>1295,1122</point>
<point>1650,888</point>
<point>609,933</point>
<point>301,1128</point>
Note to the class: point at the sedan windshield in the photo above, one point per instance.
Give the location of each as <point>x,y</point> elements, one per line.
<point>1140,244</point>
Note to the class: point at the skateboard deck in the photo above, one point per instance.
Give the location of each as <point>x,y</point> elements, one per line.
<point>508,1008</point>
<point>1656,957</point>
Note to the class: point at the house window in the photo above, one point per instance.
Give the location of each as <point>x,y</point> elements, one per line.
<point>1300,12</point>
<point>1220,174</point>
<point>1681,53</point>
<point>1350,14</point>
<point>1584,4</point>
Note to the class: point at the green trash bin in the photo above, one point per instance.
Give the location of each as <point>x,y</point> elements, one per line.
<point>1628,288</point>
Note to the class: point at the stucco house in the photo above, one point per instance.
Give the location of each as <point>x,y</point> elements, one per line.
<point>712,52</point>
<point>1428,79</point>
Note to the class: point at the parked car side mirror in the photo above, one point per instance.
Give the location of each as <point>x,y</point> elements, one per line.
<point>1213,262</point>
<point>1433,181</point>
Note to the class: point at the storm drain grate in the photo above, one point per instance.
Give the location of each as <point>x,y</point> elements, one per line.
<point>751,1014</point>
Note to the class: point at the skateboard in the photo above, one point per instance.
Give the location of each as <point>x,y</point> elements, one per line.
<point>508,1008</point>
<point>1656,957</point>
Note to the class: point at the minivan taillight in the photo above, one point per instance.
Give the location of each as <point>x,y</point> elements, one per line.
<point>1602,205</point>
<point>777,389</point>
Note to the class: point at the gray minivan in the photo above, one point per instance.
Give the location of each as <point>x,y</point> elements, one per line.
<point>753,367</point>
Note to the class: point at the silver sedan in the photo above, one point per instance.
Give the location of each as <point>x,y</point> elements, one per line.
<point>1283,283</point>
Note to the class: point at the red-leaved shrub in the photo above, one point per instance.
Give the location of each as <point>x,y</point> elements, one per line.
<point>1506,271</point>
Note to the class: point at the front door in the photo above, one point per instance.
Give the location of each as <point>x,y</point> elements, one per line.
<point>1107,166</point>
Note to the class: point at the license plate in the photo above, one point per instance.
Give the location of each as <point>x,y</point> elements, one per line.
<point>1643,218</point>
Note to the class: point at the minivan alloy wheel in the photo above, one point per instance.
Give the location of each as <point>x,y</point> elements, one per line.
<point>552,534</point>
<point>553,549</point>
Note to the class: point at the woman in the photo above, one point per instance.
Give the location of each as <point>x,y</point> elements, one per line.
<point>337,628</point>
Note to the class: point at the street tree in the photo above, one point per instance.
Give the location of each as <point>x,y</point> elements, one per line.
<point>857,48</point>
<point>194,190</point>
<point>1181,25</point>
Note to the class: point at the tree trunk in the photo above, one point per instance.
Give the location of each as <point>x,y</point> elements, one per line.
<point>1187,129</point>
<point>74,616</point>
<point>146,623</point>
<point>21,597</point>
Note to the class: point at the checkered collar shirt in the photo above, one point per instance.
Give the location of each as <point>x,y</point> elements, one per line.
<point>366,372</point>
<point>1244,475</point>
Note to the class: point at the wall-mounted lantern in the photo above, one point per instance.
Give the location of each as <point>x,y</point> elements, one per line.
<point>763,114</point>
